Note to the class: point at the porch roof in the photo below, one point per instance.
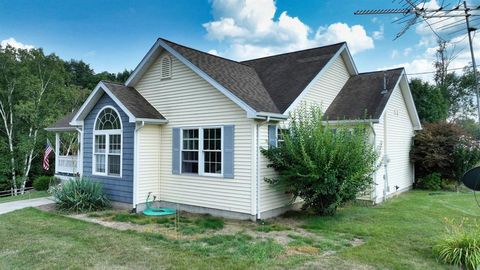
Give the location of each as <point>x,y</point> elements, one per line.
<point>64,123</point>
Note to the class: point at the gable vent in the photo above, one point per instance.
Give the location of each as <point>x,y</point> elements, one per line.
<point>165,67</point>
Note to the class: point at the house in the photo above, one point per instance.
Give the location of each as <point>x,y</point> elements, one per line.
<point>188,126</point>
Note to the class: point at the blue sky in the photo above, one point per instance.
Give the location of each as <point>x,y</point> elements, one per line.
<point>115,35</point>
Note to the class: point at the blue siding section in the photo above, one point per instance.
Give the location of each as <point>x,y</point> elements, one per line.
<point>228,145</point>
<point>176,151</point>
<point>117,189</point>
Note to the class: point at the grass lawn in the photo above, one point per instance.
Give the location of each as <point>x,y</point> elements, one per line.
<point>26,196</point>
<point>396,235</point>
<point>399,234</point>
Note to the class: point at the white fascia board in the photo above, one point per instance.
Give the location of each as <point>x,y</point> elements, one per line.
<point>155,51</point>
<point>273,116</point>
<point>317,77</point>
<point>92,100</point>
<point>407,94</point>
<point>347,57</point>
<point>147,60</point>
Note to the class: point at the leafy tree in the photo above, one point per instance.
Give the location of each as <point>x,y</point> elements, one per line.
<point>444,148</point>
<point>429,100</point>
<point>325,167</point>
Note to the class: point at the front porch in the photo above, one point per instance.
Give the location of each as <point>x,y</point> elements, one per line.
<point>67,153</point>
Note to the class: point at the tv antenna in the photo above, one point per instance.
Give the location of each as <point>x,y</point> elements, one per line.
<point>447,20</point>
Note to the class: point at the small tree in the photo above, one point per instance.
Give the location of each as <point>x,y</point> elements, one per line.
<point>324,166</point>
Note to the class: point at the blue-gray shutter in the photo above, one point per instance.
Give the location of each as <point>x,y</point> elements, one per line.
<point>228,145</point>
<point>176,151</point>
<point>272,136</point>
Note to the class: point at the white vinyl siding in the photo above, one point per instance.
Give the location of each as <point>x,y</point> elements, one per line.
<point>187,100</point>
<point>327,87</point>
<point>394,133</point>
<point>270,197</point>
<point>148,162</point>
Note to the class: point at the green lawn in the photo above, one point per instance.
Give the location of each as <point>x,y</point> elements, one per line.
<point>26,196</point>
<point>397,235</point>
<point>400,233</point>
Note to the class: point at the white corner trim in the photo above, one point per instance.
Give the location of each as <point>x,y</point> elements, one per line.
<point>154,51</point>
<point>314,81</point>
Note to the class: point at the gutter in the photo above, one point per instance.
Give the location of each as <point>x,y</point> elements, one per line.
<point>135,163</point>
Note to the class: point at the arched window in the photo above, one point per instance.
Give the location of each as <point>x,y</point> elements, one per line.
<point>107,146</point>
<point>165,67</point>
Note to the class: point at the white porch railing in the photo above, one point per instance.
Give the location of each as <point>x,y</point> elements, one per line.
<point>67,164</point>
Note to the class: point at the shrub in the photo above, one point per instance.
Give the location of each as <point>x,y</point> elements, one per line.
<point>461,247</point>
<point>431,182</point>
<point>80,195</point>
<point>444,148</point>
<point>325,167</point>
<point>42,183</point>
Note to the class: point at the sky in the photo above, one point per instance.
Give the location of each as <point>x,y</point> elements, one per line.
<point>115,35</point>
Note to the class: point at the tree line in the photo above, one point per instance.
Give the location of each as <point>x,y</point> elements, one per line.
<point>36,89</point>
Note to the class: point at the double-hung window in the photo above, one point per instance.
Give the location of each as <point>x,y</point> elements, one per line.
<point>107,146</point>
<point>201,151</point>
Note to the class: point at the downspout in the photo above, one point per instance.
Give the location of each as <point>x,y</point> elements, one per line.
<point>135,165</point>
<point>258,166</point>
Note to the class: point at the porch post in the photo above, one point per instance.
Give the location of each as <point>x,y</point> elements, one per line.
<point>79,152</point>
<point>57,150</point>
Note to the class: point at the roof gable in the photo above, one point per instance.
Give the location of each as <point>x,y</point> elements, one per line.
<point>127,98</point>
<point>286,76</point>
<point>261,86</point>
<point>362,97</point>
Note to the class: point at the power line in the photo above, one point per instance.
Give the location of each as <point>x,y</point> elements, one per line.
<point>431,72</point>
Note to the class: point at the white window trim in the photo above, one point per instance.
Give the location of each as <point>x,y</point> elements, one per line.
<point>107,144</point>
<point>201,151</point>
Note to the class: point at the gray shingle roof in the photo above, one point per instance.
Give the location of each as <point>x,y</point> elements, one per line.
<point>128,96</point>
<point>241,80</point>
<point>361,97</point>
<point>285,76</point>
<point>134,101</point>
<point>63,123</point>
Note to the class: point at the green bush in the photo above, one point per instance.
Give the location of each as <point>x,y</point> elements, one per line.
<point>80,195</point>
<point>444,148</point>
<point>325,167</point>
<point>461,247</point>
<point>431,182</point>
<point>42,183</point>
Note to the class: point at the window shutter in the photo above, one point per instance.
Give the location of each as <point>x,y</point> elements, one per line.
<point>176,151</point>
<point>272,136</point>
<point>228,144</point>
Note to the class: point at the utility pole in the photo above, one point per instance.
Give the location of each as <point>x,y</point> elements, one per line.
<point>413,11</point>
<point>474,65</point>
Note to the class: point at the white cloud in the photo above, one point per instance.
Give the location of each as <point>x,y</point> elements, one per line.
<point>355,36</point>
<point>249,29</point>
<point>407,51</point>
<point>15,44</point>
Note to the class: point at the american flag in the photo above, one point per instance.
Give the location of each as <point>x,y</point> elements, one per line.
<point>48,150</point>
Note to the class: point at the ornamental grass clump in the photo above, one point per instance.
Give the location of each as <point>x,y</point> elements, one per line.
<point>80,195</point>
<point>323,165</point>
<point>461,246</point>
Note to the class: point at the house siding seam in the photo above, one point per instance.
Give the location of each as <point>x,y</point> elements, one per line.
<point>119,189</point>
<point>187,100</point>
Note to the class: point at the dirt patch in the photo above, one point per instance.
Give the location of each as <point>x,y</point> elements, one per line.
<point>51,207</point>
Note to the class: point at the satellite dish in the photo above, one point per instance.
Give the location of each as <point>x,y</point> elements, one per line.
<point>471,179</point>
